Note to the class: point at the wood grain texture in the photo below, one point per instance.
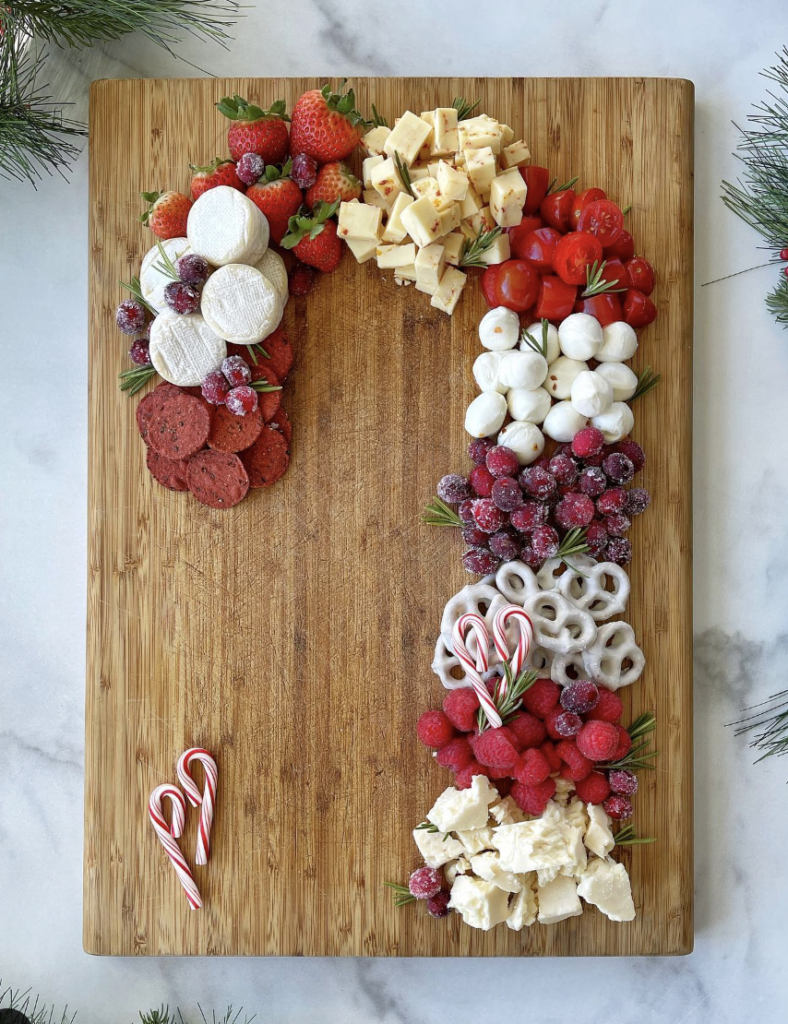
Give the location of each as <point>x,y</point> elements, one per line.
<point>293,635</point>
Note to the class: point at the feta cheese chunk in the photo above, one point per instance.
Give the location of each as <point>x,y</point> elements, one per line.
<point>558,900</point>
<point>506,812</point>
<point>375,140</point>
<point>476,840</point>
<point>480,165</point>
<point>395,229</point>
<point>507,198</point>
<point>605,885</point>
<point>391,256</point>
<point>422,221</point>
<point>407,137</point>
<point>456,867</point>
<point>359,221</point>
<point>461,809</point>
<point>516,154</point>
<point>598,837</point>
<point>429,263</point>
<point>522,909</point>
<point>487,865</point>
<point>480,904</point>
<point>537,845</point>
<point>448,292</point>
<point>435,848</point>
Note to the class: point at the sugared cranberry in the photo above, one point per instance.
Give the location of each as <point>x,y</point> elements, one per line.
<point>425,882</point>
<point>563,469</point>
<point>438,905</point>
<point>488,516</point>
<point>623,781</point>
<point>300,280</point>
<point>465,511</point>
<point>596,538</point>
<point>453,488</point>
<point>130,316</point>
<point>506,494</point>
<point>580,696</point>
<point>567,724</point>
<point>139,353</point>
<point>241,400</point>
<point>531,515</point>
<point>182,298</point>
<point>618,468</point>
<point>215,388</point>
<point>250,167</point>
<point>588,442</point>
<point>481,481</point>
<point>545,542</point>
<point>574,510</point>
<point>478,448</point>
<point>538,482</point>
<point>504,545</point>
<point>502,461</point>
<point>619,550</point>
<point>618,807</point>
<point>236,370</point>
<point>592,481</point>
<point>192,269</point>
<point>529,556</point>
<point>610,501</point>
<point>617,524</point>
<point>638,500</point>
<point>474,537</point>
<point>304,170</point>
<point>480,561</point>
<point>634,453</point>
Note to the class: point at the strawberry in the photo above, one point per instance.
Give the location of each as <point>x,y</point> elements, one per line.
<point>334,181</point>
<point>167,214</point>
<point>218,172</point>
<point>255,130</point>
<point>277,196</point>
<point>313,238</point>
<point>326,125</point>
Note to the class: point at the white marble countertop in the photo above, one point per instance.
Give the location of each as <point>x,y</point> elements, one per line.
<point>741,575</point>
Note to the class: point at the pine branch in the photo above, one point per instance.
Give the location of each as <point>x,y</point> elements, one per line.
<point>768,725</point>
<point>777,302</point>
<point>30,1008</point>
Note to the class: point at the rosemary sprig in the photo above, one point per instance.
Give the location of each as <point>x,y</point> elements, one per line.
<point>402,894</point>
<point>255,350</point>
<point>133,380</point>
<point>574,543</point>
<point>463,108</point>
<point>262,386</point>
<point>427,826</point>
<point>507,705</point>
<point>768,725</point>
<point>134,288</point>
<point>647,381</point>
<point>640,755</point>
<point>539,347</point>
<point>167,267</point>
<point>473,249</point>
<point>438,513</point>
<point>564,187</point>
<point>627,836</point>
<point>404,173</point>
<point>596,284</point>
<point>643,725</point>
<point>377,120</point>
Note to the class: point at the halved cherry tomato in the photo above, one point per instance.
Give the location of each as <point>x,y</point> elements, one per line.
<point>641,274</point>
<point>639,310</point>
<point>518,235</point>
<point>538,248</point>
<point>614,270</point>
<point>556,209</point>
<point>603,219</point>
<point>490,285</point>
<point>538,180</point>
<point>605,307</point>
<point>588,195</point>
<point>622,249</point>
<point>516,285</point>
<point>574,254</point>
<point>556,299</point>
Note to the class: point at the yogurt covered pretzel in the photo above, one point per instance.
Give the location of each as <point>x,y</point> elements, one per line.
<point>558,624</point>
<point>589,591</point>
<point>605,659</point>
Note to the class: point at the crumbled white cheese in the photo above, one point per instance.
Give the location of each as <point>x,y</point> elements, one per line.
<point>605,885</point>
<point>558,900</point>
<point>457,810</point>
<point>522,909</point>
<point>456,867</point>
<point>598,837</point>
<point>506,812</point>
<point>474,840</point>
<point>436,848</point>
<point>480,904</point>
<point>487,865</point>
<point>537,845</point>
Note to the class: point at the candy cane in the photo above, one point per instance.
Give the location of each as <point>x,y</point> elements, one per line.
<point>524,640</point>
<point>169,833</point>
<point>474,669</point>
<point>207,798</point>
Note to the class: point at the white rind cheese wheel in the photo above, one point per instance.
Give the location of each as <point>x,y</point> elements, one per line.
<point>240,304</point>
<point>152,280</point>
<point>225,227</point>
<point>273,267</point>
<point>184,349</point>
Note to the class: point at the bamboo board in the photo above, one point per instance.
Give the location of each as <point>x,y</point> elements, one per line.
<point>293,635</point>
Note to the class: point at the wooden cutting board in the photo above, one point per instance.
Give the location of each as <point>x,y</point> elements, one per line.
<point>293,635</point>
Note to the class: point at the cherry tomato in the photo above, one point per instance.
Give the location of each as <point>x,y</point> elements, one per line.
<point>639,310</point>
<point>574,253</point>
<point>538,180</point>
<point>588,195</point>
<point>490,285</point>
<point>614,270</point>
<point>603,219</point>
<point>641,274</point>
<point>622,249</point>
<point>517,285</point>
<point>518,235</point>
<point>538,248</point>
<point>556,209</point>
<point>605,307</point>
<point>556,299</point>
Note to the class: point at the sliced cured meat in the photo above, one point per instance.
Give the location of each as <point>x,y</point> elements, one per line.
<point>179,427</point>
<point>170,473</point>
<point>231,433</point>
<point>281,422</point>
<point>217,479</point>
<point>267,459</point>
<point>150,404</point>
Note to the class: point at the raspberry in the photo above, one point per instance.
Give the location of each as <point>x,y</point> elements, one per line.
<point>457,754</point>
<point>574,510</point>
<point>434,729</point>
<point>464,778</point>
<point>425,882</point>
<point>504,545</point>
<point>532,768</point>
<point>130,316</point>
<point>474,537</point>
<point>511,737</point>
<point>545,542</point>
<point>488,516</point>
<point>593,789</point>
<point>624,744</point>
<point>494,750</point>
<point>530,732</point>
<point>598,740</point>
<point>236,370</point>
<point>596,538</point>
<point>611,501</point>
<point>499,774</point>
<point>249,168</point>
<point>303,170</point>
<point>565,772</point>
<point>460,707</point>
<point>506,494</point>
<point>587,441</point>
<point>567,724</point>
<point>552,755</point>
<point>183,298</point>
<point>618,468</point>
<point>618,807</point>
<point>638,500</point>
<point>453,489</point>
<point>578,764</point>
<point>502,461</point>
<point>563,469</point>
<point>465,511</point>
<point>623,781</point>
<point>619,550</point>
<point>438,905</point>
<point>300,280</point>
<point>617,524</point>
<point>192,269</point>
<point>533,799</point>
<point>215,388</point>
<point>541,698</point>
<point>480,561</point>
<point>478,448</point>
<point>538,482</point>
<point>241,400</point>
<point>608,709</point>
<point>503,786</point>
<point>592,481</point>
<point>531,515</point>
<point>634,453</point>
<point>481,480</point>
<point>139,353</point>
<point>580,696</point>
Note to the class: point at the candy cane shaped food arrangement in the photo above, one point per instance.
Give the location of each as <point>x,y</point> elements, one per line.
<point>525,638</point>
<point>169,833</point>
<point>473,668</point>
<point>206,798</point>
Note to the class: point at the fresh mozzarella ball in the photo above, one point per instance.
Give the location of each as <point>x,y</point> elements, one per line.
<point>563,422</point>
<point>553,348</point>
<point>616,423</point>
<point>624,381</point>
<point>580,336</point>
<point>591,394</point>
<point>561,374</point>
<point>522,370</point>
<point>619,343</point>
<point>486,372</point>
<point>485,414</point>
<point>499,329</point>
<point>525,439</point>
<point>529,405</point>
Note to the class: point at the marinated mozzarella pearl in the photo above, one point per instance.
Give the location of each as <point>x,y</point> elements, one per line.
<point>499,329</point>
<point>485,372</point>
<point>525,439</point>
<point>535,331</point>
<point>624,381</point>
<point>616,423</point>
<point>485,414</point>
<point>224,227</point>
<point>580,336</point>
<point>591,394</point>
<point>561,375</point>
<point>619,343</point>
<point>522,370</point>
<point>563,422</point>
<point>529,405</point>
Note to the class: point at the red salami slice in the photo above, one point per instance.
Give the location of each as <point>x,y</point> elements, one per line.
<point>170,473</point>
<point>281,422</point>
<point>150,404</point>
<point>268,458</point>
<point>230,433</point>
<point>217,479</point>
<point>179,427</point>
<point>280,355</point>
<point>268,401</point>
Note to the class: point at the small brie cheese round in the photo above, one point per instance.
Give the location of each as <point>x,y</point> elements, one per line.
<point>561,375</point>
<point>619,343</point>
<point>535,331</point>
<point>225,227</point>
<point>154,280</point>
<point>525,439</point>
<point>183,349</point>
<point>624,381</point>
<point>240,304</point>
<point>591,393</point>
<point>485,372</point>
<point>499,329</point>
<point>580,336</point>
<point>530,405</point>
<point>522,370</point>
<point>273,267</point>
<point>563,422</point>
<point>616,423</point>
<point>485,414</point>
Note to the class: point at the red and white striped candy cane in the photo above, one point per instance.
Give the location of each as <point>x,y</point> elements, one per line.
<point>473,669</point>
<point>524,640</point>
<point>207,797</point>
<point>169,833</point>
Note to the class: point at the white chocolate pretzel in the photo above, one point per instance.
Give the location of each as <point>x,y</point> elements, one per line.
<point>558,624</point>
<point>563,663</point>
<point>614,659</point>
<point>448,667</point>
<point>552,570</point>
<point>592,592</point>
<point>516,581</point>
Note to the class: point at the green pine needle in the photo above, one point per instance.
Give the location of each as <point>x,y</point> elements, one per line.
<point>647,381</point>
<point>262,386</point>
<point>777,302</point>
<point>438,513</point>
<point>627,836</point>
<point>643,725</point>
<point>768,726</point>
<point>404,173</point>
<point>30,1006</point>
<point>402,894</point>
<point>474,249</point>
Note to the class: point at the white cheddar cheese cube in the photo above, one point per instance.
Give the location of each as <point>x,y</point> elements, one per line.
<point>359,221</point>
<point>395,230</point>
<point>445,127</point>
<point>375,140</point>
<point>429,263</point>
<point>373,198</point>
<point>452,182</point>
<point>417,173</point>
<point>471,204</point>
<point>452,247</point>
<point>422,221</point>
<point>478,133</point>
<point>391,256</point>
<point>450,219</point>
<point>386,180</point>
<point>428,187</point>
<point>425,153</point>
<point>507,198</point>
<point>366,168</point>
<point>405,273</point>
<point>480,164</point>
<point>448,295</point>
<point>362,250</point>
<point>507,134</point>
<point>515,155</point>
<point>498,252</point>
<point>407,137</point>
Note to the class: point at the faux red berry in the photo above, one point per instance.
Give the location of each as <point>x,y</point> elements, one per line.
<point>618,467</point>
<point>563,469</point>
<point>545,542</point>
<point>464,778</point>
<point>182,298</point>
<point>481,480</point>
<point>215,388</point>
<point>619,550</point>
<point>304,170</point>
<point>425,882</point>
<point>784,254</point>
<point>249,168</point>
<point>532,767</point>
<point>502,461</point>
<point>533,799</point>
<point>598,740</point>
<point>505,546</point>
<point>596,538</point>
<point>457,754</point>
<point>623,781</point>
<point>567,724</point>
<point>611,501</point>
<point>587,441</point>
<point>531,515</point>
<point>494,749</point>
<point>609,707</point>
<point>617,524</point>
<point>592,481</point>
<point>474,537</point>
<point>480,561</point>
<point>538,482</point>
<point>488,516</point>
<point>236,370</point>
<point>541,697</point>
<point>578,764</point>
<point>434,729</point>
<point>478,448</point>
<point>460,707</point>
<point>453,489</point>
<point>634,453</point>
<point>552,755</point>
<point>574,510</point>
<point>438,905</point>
<point>130,316</point>
<point>580,696</point>
<point>300,280</point>
<point>192,269</point>
<point>506,494</point>
<point>465,511</point>
<point>624,744</point>
<point>618,807</point>
<point>593,789</point>
<point>638,500</point>
<point>139,353</point>
<point>528,729</point>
